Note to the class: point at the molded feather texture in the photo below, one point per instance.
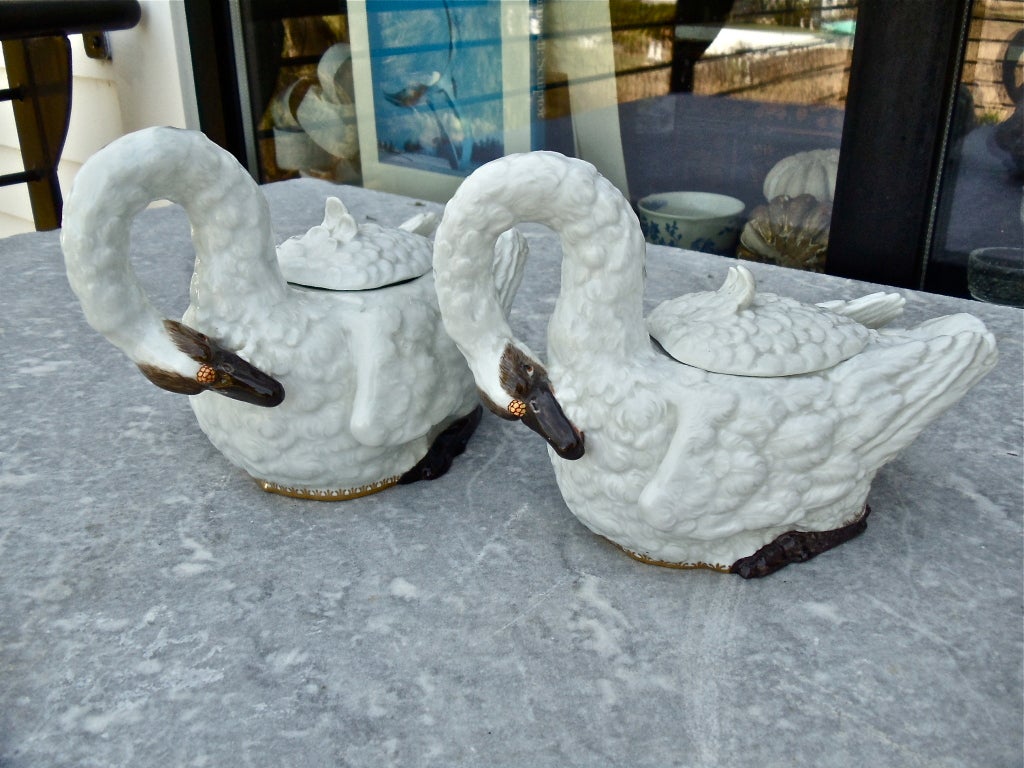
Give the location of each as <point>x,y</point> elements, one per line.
<point>341,255</point>
<point>683,465</point>
<point>872,311</point>
<point>732,330</point>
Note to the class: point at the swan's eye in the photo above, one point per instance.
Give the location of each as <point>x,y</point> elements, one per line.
<point>206,375</point>
<point>529,369</point>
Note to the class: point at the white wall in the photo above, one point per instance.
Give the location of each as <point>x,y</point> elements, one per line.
<point>148,82</point>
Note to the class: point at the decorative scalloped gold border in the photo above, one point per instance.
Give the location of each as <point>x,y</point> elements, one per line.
<point>663,564</point>
<point>316,494</point>
<point>723,568</point>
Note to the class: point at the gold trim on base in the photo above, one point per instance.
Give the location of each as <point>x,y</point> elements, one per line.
<point>315,494</point>
<point>664,564</point>
<point>821,541</point>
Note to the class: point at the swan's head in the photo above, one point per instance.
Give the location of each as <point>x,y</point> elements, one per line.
<point>198,363</point>
<point>521,390</point>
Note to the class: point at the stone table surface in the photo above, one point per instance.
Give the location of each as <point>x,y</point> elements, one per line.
<point>157,608</point>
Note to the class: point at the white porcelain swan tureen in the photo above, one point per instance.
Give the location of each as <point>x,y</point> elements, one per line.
<point>746,437</point>
<point>321,369</point>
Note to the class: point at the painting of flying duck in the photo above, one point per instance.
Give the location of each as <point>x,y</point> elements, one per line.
<point>442,87</point>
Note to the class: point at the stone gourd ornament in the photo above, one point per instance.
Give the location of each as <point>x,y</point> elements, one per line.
<point>805,173</point>
<point>745,435</point>
<point>322,368</point>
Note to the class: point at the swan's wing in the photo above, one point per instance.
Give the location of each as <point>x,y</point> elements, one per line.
<point>421,224</point>
<point>872,311</point>
<point>409,375</point>
<point>341,255</point>
<point>905,380</point>
<point>748,453</point>
<point>744,455</point>
<point>737,331</point>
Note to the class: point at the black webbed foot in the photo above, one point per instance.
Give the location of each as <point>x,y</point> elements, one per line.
<point>445,448</point>
<point>796,547</point>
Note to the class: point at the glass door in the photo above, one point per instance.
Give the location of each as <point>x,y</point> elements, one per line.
<point>833,135</point>
<point>735,104</point>
<point>980,206</point>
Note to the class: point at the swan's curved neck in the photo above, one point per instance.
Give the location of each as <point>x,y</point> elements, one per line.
<point>231,231</point>
<point>599,312</point>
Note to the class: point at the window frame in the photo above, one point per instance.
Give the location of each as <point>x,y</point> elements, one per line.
<point>892,159</point>
<point>894,147</point>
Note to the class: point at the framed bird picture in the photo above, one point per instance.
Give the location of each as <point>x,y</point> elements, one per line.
<point>441,87</point>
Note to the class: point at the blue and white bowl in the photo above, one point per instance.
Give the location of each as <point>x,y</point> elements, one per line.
<point>698,221</point>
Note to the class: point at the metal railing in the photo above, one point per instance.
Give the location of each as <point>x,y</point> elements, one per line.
<point>37,55</point>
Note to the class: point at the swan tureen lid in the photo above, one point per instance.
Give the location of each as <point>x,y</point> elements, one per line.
<point>738,331</point>
<point>341,255</point>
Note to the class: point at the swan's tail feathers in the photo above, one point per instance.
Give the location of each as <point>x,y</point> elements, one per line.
<point>739,288</point>
<point>510,254</point>
<point>421,224</point>
<point>892,391</point>
<point>873,311</point>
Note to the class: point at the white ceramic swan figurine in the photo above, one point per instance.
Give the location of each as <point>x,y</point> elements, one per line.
<point>337,380</point>
<point>767,463</point>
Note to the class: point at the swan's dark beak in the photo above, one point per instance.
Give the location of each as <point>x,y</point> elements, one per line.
<point>220,371</point>
<point>543,414</point>
<point>240,380</point>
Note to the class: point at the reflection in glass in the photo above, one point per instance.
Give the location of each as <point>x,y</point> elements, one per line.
<point>744,98</point>
<point>981,203</point>
<point>307,123</point>
<point>997,275</point>
<point>435,66</point>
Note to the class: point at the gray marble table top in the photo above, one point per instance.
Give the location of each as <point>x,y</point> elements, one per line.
<point>158,609</point>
